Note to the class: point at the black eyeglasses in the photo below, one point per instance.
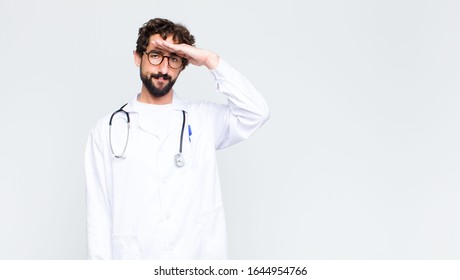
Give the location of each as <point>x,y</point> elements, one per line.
<point>156,58</point>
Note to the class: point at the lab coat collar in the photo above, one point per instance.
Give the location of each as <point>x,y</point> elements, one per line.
<point>134,107</point>
<point>177,104</point>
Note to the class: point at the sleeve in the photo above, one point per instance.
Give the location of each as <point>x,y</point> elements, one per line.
<point>98,209</point>
<point>245,112</point>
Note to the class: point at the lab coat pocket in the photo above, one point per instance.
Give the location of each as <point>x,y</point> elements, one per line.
<point>213,245</point>
<point>125,247</point>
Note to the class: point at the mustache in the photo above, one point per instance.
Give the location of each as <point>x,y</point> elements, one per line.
<point>164,76</point>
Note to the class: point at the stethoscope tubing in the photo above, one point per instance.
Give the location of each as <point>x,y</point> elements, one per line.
<point>179,158</point>
<point>182,132</point>
<point>128,122</point>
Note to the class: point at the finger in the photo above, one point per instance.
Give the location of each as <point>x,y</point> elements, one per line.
<point>168,46</point>
<point>159,45</point>
<point>180,49</point>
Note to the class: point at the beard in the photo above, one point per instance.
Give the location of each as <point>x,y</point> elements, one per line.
<point>153,90</point>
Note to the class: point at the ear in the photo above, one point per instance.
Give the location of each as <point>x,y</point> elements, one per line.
<point>137,59</point>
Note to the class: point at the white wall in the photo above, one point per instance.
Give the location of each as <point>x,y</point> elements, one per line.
<point>360,159</point>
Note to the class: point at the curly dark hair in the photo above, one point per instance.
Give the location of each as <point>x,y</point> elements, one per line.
<point>164,28</point>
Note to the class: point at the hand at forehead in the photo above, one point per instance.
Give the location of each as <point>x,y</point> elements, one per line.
<point>163,45</point>
<point>193,54</point>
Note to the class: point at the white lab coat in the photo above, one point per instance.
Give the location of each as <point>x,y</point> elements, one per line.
<point>144,206</point>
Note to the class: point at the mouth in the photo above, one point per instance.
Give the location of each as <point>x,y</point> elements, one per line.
<point>160,77</point>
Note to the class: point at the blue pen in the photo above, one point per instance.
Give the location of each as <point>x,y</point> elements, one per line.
<point>189,133</point>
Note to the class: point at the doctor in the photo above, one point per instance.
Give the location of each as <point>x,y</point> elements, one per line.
<point>152,182</point>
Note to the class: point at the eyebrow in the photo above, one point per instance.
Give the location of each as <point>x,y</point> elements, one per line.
<point>158,51</point>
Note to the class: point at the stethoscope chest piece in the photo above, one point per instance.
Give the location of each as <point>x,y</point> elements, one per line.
<point>179,159</point>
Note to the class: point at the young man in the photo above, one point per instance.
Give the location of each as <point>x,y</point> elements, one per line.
<point>152,183</point>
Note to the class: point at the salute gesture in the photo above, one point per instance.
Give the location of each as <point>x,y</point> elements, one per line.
<point>194,55</point>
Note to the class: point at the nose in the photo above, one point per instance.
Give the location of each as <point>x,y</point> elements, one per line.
<point>163,67</point>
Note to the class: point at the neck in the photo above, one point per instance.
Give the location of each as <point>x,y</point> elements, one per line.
<point>146,97</point>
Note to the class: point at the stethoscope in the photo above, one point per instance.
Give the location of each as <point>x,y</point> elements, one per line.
<point>178,158</point>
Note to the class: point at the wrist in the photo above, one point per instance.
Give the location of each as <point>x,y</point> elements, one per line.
<point>212,61</point>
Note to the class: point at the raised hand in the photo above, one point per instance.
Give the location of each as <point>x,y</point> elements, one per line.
<point>194,55</point>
